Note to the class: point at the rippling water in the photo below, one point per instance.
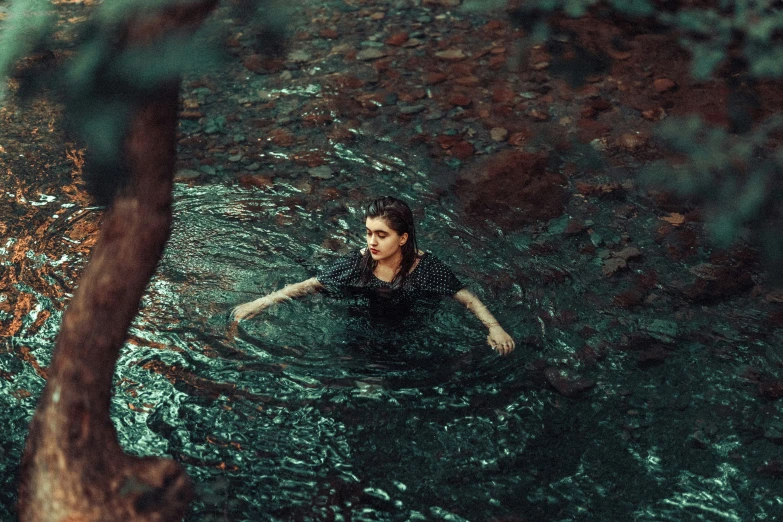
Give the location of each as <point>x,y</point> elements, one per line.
<point>310,412</point>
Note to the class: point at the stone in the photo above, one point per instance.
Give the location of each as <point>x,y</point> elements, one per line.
<point>468,81</point>
<point>459,100</point>
<point>299,56</point>
<point>412,109</point>
<point>462,150</point>
<point>503,95</point>
<point>631,140</point>
<point>539,115</point>
<point>512,188</point>
<point>434,78</point>
<point>322,172</point>
<point>397,39</point>
<point>662,85</point>
<point>370,54</point>
<point>654,114</point>
<point>451,55</point>
<point>613,265</point>
<point>444,3</point>
<point>255,180</point>
<point>261,64</point>
<point>186,174</point>
<point>498,134</point>
<point>566,384</point>
<point>628,253</point>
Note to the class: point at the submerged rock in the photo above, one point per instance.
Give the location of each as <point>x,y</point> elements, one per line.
<point>513,188</point>
<point>566,384</point>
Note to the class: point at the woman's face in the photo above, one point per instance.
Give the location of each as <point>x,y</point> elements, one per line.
<point>382,241</point>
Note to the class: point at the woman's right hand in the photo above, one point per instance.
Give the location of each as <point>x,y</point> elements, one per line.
<point>248,310</point>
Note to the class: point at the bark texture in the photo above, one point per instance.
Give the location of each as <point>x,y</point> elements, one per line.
<point>73,468</point>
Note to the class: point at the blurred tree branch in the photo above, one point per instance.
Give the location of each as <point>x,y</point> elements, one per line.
<point>73,467</point>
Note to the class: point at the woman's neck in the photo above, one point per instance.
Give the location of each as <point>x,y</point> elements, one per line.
<point>391,263</point>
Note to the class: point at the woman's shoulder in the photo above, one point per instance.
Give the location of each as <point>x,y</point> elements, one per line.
<point>429,263</point>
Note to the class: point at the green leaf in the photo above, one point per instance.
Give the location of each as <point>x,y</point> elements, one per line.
<point>634,7</point>
<point>27,23</point>
<point>765,63</point>
<point>723,228</point>
<point>706,57</point>
<point>483,5</point>
<point>576,8</point>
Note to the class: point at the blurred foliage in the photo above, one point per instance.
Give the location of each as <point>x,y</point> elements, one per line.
<point>100,80</point>
<point>735,178</point>
<point>733,172</point>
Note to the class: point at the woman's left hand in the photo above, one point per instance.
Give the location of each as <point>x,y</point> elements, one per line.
<point>499,340</point>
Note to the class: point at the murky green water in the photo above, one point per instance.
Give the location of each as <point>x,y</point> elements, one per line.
<point>313,412</point>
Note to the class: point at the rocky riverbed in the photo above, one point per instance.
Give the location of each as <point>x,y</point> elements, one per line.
<point>647,381</point>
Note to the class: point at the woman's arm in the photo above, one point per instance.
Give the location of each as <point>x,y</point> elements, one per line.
<point>248,310</point>
<point>498,339</point>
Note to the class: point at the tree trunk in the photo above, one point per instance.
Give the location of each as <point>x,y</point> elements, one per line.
<point>73,468</point>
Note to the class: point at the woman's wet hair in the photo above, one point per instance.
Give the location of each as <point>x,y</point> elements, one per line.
<point>398,216</point>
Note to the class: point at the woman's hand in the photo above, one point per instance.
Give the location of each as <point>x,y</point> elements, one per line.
<point>499,340</point>
<point>248,310</point>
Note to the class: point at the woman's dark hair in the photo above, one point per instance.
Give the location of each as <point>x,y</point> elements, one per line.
<point>399,217</point>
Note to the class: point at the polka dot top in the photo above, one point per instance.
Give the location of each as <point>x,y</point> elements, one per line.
<point>430,278</point>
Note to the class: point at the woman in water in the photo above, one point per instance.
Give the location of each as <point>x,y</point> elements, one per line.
<point>391,271</point>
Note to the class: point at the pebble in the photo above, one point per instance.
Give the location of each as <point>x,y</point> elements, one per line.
<point>299,56</point>
<point>412,109</point>
<point>451,55</point>
<point>370,54</point>
<point>662,85</point>
<point>322,172</point>
<point>184,174</point>
<point>499,134</point>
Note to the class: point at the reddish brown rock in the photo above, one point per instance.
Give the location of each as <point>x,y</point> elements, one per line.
<point>513,188</point>
<point>255,180</point>
<point>497,62</point>
<point>590,130</point>
<point>434,78</point>
<point>329,34</point>
<point>632,141</point>
<point>462,150</point>
<point>282,138</point>
<point>468,81</point>
<point>451,55</point>
<point>656,114</point>
<point>447,141</point>
<point>493,25</point>
<point>518,138</point>
<point>397,39</point>
<point>539,114</point>
<point>715,282</point>
<point>261,64</point>
<point>349,82</point>
<point>662,85</point>
<point>503,95</point>
<point>459,100</point>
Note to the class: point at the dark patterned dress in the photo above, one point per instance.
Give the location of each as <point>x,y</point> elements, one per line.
<point>426,284</point>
